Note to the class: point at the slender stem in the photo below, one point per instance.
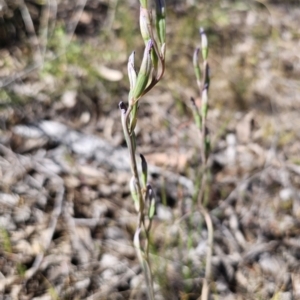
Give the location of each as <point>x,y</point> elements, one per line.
<point>203,160</point>
<point>203,89</point>
<point>144,262</point>
<point>162,61</point>
<point>129,118</point>
<point>149,273</point>
<point>133,164</point>
<point>202,186</point>
<point>210,229</point>
<point>142,255</point>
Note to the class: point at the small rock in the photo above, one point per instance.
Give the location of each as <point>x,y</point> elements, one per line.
<point>53,129</point>
<point>123,248</point>
<point>110,74</point>
<point>269,289</point>
<point>113,233</point>
<point>99,209</point>
<point>72,181</point>
<point>286,194</point>
<point>42,200</point>
<point>164,213</point>
<point>50,165</point>
<point>221,286</point>
<point>271,265</point>
<point>7,223</point>
<point>9,199</point>
<point>201,248</point>
<point>44,297</point>
<point>137,281</point>
<point>108,261</point>
<point>24,247</point>
<point>284,296</point>
<point>26,131</point>
<point>21,214</point>
<point>107,274</point>
<point>68,99</point>
<point>85,117</point>
<point>88,145</point>
<point>231,149</point>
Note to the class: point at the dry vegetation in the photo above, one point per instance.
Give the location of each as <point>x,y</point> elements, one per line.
<point>66,216</point>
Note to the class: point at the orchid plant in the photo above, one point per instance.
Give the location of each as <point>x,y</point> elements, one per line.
<point>200,117</point>
<point>150,73</point>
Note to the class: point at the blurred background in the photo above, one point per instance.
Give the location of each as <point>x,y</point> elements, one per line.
<point>66,217</point>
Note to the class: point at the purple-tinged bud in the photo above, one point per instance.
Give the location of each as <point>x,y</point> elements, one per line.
<point>122,107</point>
<point>144,73</point>
<point>204,44</point>
<point>196,64</point>
<point>144,3</point>
<point>207,75</point>
<point>145,24</point>
<point>131,71</point>
<point>134,193</point>
<point>151,196</point>
<point>163,50</point>
<point>161,20</point>
<point>204,102</point>
<point>196,114</point>
<point>144,170</point>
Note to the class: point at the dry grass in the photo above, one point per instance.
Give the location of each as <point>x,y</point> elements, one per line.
<point>66,217</point>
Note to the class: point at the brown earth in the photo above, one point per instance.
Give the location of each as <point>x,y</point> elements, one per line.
<point>66,217</point>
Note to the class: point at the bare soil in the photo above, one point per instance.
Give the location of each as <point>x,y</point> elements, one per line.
<point>66,216</point>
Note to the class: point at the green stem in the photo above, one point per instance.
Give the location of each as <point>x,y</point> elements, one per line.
<point>131,147</point>
<point>143,256</point>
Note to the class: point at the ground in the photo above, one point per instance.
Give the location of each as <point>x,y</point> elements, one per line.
<point>66,216</point>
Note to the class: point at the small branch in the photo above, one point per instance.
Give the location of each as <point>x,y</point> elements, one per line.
<point>133,165</point>
<point>38,58</point>
<point>52,225</point>
<point>44,29</point>
<point>200,120</point>
<point>209,225</point>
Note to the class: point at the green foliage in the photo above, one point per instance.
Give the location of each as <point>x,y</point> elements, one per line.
<point>5,240</point>
<point>53,293</point>
<point>69,57</point>
<point>21,269</point>
<point>9,97</point>
<point>4,97</point>
<point>128,27</point>
<point>150,73</point>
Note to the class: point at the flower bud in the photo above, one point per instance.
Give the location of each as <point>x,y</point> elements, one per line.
<point>144,73</point>
<point>204,100</point>
<point>123,109</point>
<point>207,144</point>
<point>144,170</point>
<point>163,50</point>
<point>196,65</point>
<point>204,44</point>
<point>144,3</point>
<point>196,114</point>
<point>131,71</point>
<point>161,20</point>
<point>134,193</point>
<point>133,119</point>
<point>151,197</point>
<point>154,60</point>
<point>145,24</point>
<point>207,75</point>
